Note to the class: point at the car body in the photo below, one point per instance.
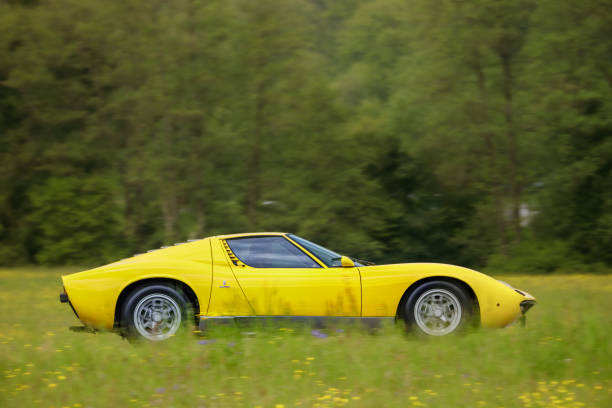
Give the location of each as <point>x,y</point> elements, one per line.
<point>273,274</point>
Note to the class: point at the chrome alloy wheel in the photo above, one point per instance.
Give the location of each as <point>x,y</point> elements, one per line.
<point>437,312</point>
<point>157,317</point>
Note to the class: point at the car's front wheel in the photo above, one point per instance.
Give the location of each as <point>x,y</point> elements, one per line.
<point>154,312</point>
<point>438,308</point>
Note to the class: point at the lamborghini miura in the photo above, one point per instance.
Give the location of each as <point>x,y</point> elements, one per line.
<point>279,275</point>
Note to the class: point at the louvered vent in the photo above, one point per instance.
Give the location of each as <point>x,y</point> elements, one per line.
<point>233,257</point>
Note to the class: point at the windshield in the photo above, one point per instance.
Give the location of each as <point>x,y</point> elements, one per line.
<point>328,257</point>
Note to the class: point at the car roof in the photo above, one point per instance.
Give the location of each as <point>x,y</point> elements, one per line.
<point>250,234</point>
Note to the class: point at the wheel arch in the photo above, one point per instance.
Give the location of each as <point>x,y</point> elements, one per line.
<point>449,279</point>
<point>185,288</point>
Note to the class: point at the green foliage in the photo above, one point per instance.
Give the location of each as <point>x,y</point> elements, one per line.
<point>576,197</point>
<point>385,129</point>
<point>531,256</point>
<point>73,218</point>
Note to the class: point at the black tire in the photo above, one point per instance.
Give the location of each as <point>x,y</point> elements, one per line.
<point>154,312</point>
<point>438,308</point>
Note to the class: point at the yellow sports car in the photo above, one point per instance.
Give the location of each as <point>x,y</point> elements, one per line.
<point>280,275</point>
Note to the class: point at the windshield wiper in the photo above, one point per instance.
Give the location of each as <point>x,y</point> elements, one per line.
<point>357,260</point>
<point>364,263</point>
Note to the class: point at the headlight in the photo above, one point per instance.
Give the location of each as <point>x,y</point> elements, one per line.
<point>506,283</point>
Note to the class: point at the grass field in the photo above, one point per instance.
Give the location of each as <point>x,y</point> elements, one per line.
<point>562,358</point>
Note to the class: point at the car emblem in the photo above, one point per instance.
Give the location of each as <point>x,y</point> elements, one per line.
<point>225,285</point>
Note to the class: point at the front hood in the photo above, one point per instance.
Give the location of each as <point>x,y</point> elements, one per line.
<point>404,268</point>
<point>411,272</point>
<point>473,278</point>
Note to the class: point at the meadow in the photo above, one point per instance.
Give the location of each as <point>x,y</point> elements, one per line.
<point>561,358</point>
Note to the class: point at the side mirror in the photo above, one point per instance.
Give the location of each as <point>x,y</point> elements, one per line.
<point>347,262</point>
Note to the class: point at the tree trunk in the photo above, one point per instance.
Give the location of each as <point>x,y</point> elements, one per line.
<point>169,213</point>
<point>492,175</point>
<point>515,186</point>
<point>200,225</point>
<point>255,159</point>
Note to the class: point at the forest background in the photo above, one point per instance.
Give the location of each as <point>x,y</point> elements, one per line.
<point>471,132</point>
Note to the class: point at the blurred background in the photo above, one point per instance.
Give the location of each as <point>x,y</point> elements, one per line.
<point>470,132</point>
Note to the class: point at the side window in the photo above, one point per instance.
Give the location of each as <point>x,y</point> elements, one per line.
<point>270,252</point>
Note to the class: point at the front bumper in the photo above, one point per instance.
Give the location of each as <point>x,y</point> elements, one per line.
<point>526,305</point>
<point>63,297</point>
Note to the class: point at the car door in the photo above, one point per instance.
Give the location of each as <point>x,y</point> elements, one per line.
<point>280,279</point>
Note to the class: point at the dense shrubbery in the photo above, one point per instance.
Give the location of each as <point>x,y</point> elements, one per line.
<point>471,133</point>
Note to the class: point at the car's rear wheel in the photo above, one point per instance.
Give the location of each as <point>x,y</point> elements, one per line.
<point>438,308</point>
<point>154,312</point>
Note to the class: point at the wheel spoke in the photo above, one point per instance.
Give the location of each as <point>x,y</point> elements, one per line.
<point>437,312</point>
<point>157,316</point>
